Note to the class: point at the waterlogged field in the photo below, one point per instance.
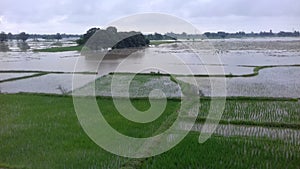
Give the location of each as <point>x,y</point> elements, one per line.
<point>259,128</point>
<point>241,60</point>
<point>40,131</point>
<point>47,83</point>
<point>140,86</point>
<point>269,82</point>
<point>259,110</point>
<point>40,44</point>
<point>9,76</point>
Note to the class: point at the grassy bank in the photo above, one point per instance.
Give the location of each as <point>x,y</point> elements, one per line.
<point>42,131</point>
<point>60,49</point>
<point>159,42</point>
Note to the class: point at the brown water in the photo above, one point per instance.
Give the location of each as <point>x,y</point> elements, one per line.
<point>235,55</point>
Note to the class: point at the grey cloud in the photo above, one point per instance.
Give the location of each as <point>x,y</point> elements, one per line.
<point>258,8</point>
<point>93,12</point>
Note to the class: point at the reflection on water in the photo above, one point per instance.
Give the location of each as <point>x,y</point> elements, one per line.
<point>4,47</point>
<point>23,46</point>
<point>52,83</point>
<point>170,58</point>
<point>6,76</point>
<point>273,82</point>
<point>14,45</point>
<point>62,61</point>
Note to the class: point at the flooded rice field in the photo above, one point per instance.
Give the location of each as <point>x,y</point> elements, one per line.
<point>270,82</point>
<point>236,57</point>
<point>49,83</point>
<point>32,44</point>
<point>8,76</point>
<point>290,136</point>
<point>140,86</point>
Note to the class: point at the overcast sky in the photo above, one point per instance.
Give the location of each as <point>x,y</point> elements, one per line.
<point>69,16</point>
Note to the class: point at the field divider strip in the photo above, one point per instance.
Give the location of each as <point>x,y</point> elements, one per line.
<point>46,72</point>
<point>253,123</point>
<point>256,70</point>
<point>23,77</point>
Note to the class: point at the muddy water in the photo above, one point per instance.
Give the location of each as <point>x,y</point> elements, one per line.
<point>235,55</point>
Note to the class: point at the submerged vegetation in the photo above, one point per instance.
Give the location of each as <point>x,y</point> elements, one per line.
<point>60,49</point>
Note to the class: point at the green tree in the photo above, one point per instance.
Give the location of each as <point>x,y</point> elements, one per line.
<point>10,36</point>
<point>111,38</point>
<point>3,37</point>
<point>87,35</point>
<point>112,29</point>
<point>23,36</point>
<point>58,36</point>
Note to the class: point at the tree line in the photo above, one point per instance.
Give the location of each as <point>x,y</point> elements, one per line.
<point>24,36</point>
<point>136,39</point>
<point>21,36</point>
<point>157,36</point>
<point>241,34</point>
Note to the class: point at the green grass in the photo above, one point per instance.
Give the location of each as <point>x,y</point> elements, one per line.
<point>139,130</point>
<point>159,42</point>
<point>42,131</point>
<point>227,152</point>
<point>60,49</point>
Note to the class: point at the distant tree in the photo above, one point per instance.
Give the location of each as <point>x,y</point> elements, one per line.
<point>158,36</point>
<point>35,37</point>
<point>296,33</point>
<point>58,36</point>
<point>3,37</point>
<point>112,29</point>
<point>23,46</point>
<point>23,36</point>
<point>207,34</point>
<point>288,34</point>
<point>87,35</point>
<point>222,34</point>
<point>10,36</point>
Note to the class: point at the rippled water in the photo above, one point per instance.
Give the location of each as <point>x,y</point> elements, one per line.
<point>41,44</point>
<point>236,55</point>
<point>271,82</point>
<point>6,76</point>
<point>51,83</point>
